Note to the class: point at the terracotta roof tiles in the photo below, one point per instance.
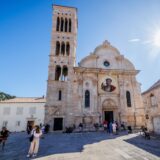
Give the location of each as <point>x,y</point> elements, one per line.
<point>25,100</point>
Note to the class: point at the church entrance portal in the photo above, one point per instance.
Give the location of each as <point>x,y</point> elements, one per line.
<point>108,116</point>
<point>58,124</point>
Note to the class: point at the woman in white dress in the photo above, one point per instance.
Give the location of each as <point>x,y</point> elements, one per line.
<point>34,146</point>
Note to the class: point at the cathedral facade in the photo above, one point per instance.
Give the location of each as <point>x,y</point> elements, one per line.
<point>102,87</point>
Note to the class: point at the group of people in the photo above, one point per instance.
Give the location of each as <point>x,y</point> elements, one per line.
<point>35,133</point>
<point>114,127</point>
<point>111,127</point>
<point>45,128</point>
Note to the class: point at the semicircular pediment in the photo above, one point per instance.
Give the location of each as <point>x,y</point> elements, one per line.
<point>106,56</point>
<point>109,103</point>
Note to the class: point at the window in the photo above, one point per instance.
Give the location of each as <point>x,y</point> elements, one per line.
<point>57,73</point>
<point>87,99</point>
<point>32,110</point>
<point>66,25</point>
<point>67,48</point>
<point>58,22</point>
<point>5,123</point>
<point>70,25</point>
<point>106,63</point>
<point>63,48</point>
<point>18,123</point>
<point>6,110</point>
<point>128,97</point>
<point>62,24</point>
<point>57,48</point>
<point>19,111</point>
<point>60,95</point>
<point>153,100</point>
<point>65,73</point>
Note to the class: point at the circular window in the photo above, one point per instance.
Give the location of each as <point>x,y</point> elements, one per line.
<point>106,63</point>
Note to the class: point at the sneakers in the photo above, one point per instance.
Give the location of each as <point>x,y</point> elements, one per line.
<point>28,155</point>
<point>34,155</point>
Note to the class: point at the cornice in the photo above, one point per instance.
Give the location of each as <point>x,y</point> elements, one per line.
<point>100,70</point>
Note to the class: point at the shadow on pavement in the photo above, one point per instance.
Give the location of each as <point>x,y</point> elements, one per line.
<point>53,143</point>
<point>152,146</point>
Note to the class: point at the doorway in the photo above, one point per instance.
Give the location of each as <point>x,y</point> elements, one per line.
<point>58,124</point>
<point>108,116</point>
<point>30,123</point>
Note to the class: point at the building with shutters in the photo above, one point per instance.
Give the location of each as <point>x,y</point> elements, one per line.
<point>16,113</point>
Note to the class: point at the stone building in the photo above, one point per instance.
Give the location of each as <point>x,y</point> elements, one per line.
<point>16,113</point>
<point>102,87</point>
<point>151,99</point>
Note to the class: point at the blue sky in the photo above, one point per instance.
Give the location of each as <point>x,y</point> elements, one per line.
<point>133,27</point>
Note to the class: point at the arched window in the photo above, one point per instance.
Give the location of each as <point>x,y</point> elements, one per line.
<point>60,95</point>
<point>62,48</point>
<point>65,73</point>
<point>87,99</point>
<point>128,97</point>
<point>57,73</point>
<point>70,25</point>
<point>57,48</point>
<point>58,22</point>
<point>62,24</point>
<point>66,24</point>
<point>67,48</point>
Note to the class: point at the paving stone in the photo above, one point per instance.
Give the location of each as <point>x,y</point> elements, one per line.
<point>84,146</point>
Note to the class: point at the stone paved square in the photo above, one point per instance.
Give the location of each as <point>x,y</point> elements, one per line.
<point>84,146</point>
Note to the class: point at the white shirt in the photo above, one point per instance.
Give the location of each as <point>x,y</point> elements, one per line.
<point>36,135</point>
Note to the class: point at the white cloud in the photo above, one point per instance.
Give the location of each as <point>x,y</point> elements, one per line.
<point>147,42</point>
<point>134,40</point>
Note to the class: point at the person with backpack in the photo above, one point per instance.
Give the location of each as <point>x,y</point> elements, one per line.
<point>34,139</point>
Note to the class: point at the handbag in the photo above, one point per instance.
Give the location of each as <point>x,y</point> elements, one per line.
<point>31,138</point>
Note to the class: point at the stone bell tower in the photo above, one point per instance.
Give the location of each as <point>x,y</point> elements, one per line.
<point>62,62</point>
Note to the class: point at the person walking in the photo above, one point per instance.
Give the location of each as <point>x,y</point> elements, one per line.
<point>110,127</point>
<point>29,128</point>
<point>34,146</point>
<point>114,127</point>
<point>105,125</point>
<point>80,127</point>
<point>117,127</point>
<point>3,136</point>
